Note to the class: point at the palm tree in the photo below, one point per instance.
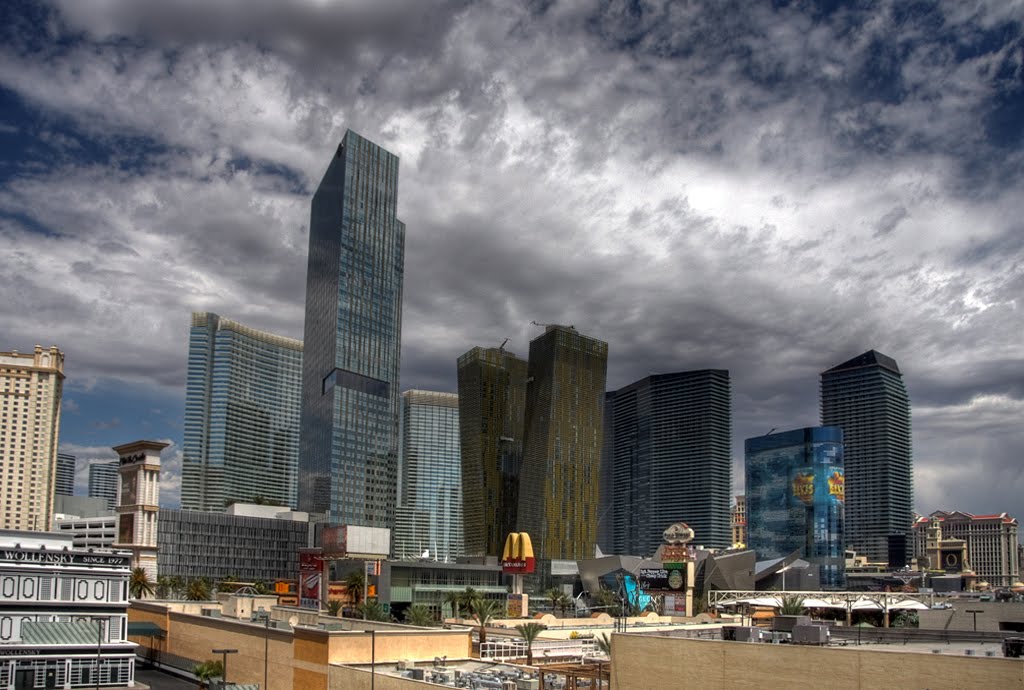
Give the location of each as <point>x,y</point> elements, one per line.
<point>420,615</point>
<point>354,583</point>
<point>484,610</point>
<point>604,643</point>
<point>564,602</point>
<point>334,606</point>
<point>372,611</point>
<point>260,587</point>
<point>207,670</point>
<point>609,602</point>
<point>198,590</point>
<point>177,586</point>
<point>139,584</point>
<point>792,605</point>
<point>530,631</point>
<point>163,587</point>
<point>467,599</point>
<point>227,584</point>
<point>553,595</point>
<point>454,599</point>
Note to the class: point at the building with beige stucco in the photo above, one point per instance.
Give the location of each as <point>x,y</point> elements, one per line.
<point>30,395</point>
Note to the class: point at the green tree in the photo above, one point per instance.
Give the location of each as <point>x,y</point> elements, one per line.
<point>207,670</point>
<point>373,611</point>
<point>139,584</point>
<point>163,587</point>
<point>354,583</point>
<point>454,599</point>
<point>420,615</point>
<point>530,631</point>
<point>552,595</point>
<point>177,586</point>
<point>260,587</point>
<point>609,601</point>
<point>198,590</point>
<point>484,611</point>
<point>227,584</point>
<point>564,602</point>
<point>467,598</point>
<point>792,605</point>
<point>604,643</point>
<point>334,607</point>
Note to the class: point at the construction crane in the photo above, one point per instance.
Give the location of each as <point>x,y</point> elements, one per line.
<point>501,348</point>
<point>551,325</point>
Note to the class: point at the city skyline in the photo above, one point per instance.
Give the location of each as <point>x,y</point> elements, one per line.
<point>768,192</point>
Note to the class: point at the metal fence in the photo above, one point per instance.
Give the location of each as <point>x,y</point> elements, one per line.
<point>907,635</point>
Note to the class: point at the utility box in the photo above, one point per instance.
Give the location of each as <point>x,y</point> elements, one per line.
<point>729,632</point>
<point>787,623</point>
<point>1013,647</point>
<point>810,634</point>
<point>745,634</point>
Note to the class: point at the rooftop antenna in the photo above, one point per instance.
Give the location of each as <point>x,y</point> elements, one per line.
<point>770,431</point>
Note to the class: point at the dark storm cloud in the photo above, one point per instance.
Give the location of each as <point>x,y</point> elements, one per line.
<point>767,188</point>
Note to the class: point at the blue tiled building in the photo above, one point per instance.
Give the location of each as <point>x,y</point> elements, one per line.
<point>795,493</point>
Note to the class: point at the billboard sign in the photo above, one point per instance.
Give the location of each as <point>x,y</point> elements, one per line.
<point>311,566</point>
<point>334,540</point>
<point>668,579</point>
<point>517,556</point>
<point>355,541</point>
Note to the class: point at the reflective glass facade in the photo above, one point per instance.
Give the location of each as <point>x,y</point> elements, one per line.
<point>349,441</point>
<point>65,478</point>
<point>795,493</point>
<point>103,481</point>
<point>242,405</point>
<point>492,403</point>
<point>559,488</point>
<point>429,514</point>
<point>866,397</point>
<point>669,447</point>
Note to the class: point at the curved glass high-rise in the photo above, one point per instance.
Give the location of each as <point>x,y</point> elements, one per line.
<point>242,404</point>
<point>429,514</point>
<point>866,397</point>
<point>349,443</point>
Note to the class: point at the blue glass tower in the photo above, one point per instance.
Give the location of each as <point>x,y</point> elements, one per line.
<point>795,494</point>
<point>242,404</point>
<point>429,513</point>
<point>349,442</point>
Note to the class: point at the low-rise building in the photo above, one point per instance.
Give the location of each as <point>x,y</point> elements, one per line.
<point>63,613</point>
<point>992,547</point>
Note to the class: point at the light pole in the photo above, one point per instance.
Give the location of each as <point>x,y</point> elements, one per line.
<point>975,612</point>
<point>224,663</point>
<point>266,646</point>
<point>373,657</point>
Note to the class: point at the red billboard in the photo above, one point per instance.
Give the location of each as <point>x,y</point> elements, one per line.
<point>311,566</point>
<point>517,556</point>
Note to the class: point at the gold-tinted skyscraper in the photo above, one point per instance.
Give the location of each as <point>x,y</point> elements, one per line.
<point>30,393</point>
<point>559,482</point>
<point>492,402</point>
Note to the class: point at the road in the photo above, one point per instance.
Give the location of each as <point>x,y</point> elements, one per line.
<point>158,680</point>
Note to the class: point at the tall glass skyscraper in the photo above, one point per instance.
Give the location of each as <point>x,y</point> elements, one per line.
<point>242,406</point>
<point>866,397</point>
<point>669,446</point>
<point>65,477</point>
<point>795,491</point>
<point>429,514</point>
<point>103,482</point>
<point>559,486</point>
<point>492,403</point>
<point>349,445</point>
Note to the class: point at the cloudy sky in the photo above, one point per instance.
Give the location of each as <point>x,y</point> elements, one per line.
<point>767,188</point>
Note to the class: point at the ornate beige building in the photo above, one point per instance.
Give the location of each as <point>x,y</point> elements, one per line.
<point>30,393</point>
<point>991,542</point>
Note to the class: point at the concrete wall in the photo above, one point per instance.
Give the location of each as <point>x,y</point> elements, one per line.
<point>641,662</point>
<point>348,678</point>
<point>957,618</point>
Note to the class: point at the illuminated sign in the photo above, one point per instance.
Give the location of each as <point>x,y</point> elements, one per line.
<point>517,556</point>
<point>837,486</point>
<point>311,564</point>
<point>668,579</point>
<point>803,486</point>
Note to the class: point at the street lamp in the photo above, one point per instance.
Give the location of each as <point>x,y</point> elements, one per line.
<point>224,663</point>
<point>373,656</point>
<point>265,617</point>
<point>975,612</point>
